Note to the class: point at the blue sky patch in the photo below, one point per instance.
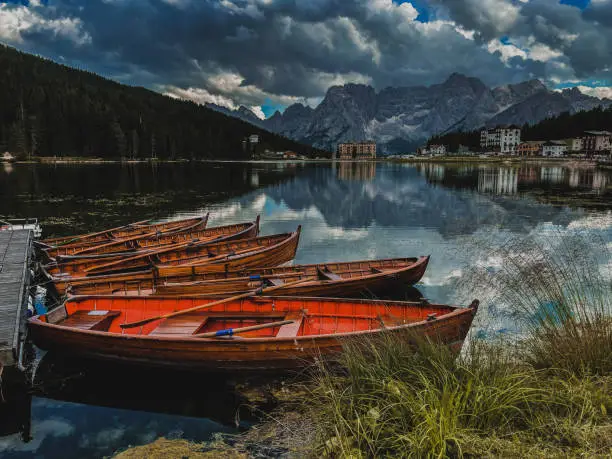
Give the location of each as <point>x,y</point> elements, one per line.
<point>582,4</point>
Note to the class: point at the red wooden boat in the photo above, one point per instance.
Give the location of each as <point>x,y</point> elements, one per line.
<point>290,330</point>
<point>139,244</point>
<point>341,279</point>
<point>221,256</point>
<point>126,232</point>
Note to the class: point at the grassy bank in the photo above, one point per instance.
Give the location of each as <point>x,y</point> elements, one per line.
<point>546,392</point>
<point>542,390</point>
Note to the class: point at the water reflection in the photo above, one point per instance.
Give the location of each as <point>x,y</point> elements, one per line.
<point>498,181</point>
<point>585,178</point>
<point>69,198</point>
<point>365,171</point>
<point>507,180</point>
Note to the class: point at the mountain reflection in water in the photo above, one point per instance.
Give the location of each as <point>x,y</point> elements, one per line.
<point>349,211</point>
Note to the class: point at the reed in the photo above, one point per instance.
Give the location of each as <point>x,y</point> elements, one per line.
<point>556,292</point>
<point>392,401</point>
<point>544,390</point>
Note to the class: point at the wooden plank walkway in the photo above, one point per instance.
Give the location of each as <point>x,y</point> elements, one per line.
<point>15,253</point>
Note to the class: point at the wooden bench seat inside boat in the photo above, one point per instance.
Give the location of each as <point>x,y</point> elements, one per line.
<point>274,282</point>
<point>196,322</point>
<point>90,320</point>
<point>328,275</point>
<point>185,324</point>
<point>291,330</point>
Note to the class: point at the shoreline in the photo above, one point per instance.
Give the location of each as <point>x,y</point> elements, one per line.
<point>454,160</point>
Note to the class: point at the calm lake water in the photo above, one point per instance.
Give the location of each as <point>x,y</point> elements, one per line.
<point>348,211</point>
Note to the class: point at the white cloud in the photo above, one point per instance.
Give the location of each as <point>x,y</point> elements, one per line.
<point>602,92</point>
<point>249,9</point>
<point>542,53</point>
<point>20,20</point>
<point>199,96</point>
<point>257,110</point>
<point>405,11</point>
<point>507,51</point>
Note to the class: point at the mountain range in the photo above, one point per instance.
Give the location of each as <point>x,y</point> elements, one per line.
<point>400,119</point>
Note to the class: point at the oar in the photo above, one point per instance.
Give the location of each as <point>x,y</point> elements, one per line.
<point>259,291</point>
<point>235,331</point>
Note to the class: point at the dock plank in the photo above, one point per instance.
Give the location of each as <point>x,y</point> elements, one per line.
<point>15,251</point>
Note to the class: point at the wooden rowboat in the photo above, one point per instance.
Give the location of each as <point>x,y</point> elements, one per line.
<point>341,279</point>
<point>139,244</point>
<point>126,232</point>
<point>220,256</point>
<point>288,330</point>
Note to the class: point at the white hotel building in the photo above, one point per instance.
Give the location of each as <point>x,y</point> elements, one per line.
<point>502,140</point>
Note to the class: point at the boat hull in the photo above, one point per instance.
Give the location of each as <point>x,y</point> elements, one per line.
<point>357,279</point>
<point>255,252</point>
<point>236,353</point>
<point>131,246</point>
<point>124,232</point>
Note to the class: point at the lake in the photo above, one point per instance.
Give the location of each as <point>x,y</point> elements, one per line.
<point>347,211</point>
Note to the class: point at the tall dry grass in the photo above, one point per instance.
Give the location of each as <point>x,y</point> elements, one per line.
<point>545,391</point>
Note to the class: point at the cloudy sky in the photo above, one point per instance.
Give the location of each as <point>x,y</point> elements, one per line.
<point>267,54</point>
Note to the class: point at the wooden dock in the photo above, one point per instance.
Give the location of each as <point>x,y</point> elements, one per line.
<point>15,258</point>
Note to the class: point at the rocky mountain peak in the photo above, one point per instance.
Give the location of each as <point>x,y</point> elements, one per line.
<point>401,119</point>
<point>297,110</point>
<point>457,80</point>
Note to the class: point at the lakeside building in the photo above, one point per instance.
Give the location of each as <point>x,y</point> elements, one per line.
<point>356,150</point>
<point>529,148</point>
<point>574,145</point>
<point>253,139</point>
<point>597,142</point>
<point>438,150</point>
<point>501,139</point>
<point>554,148</point>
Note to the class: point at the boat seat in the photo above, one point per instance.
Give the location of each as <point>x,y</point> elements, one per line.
<point>185,324</point>
<point>291,330</point>
<point>275,282</point>
<point>90,320</point>
<point>328,275</point>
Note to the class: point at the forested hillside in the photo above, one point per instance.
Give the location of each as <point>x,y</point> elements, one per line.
<point>48,109</point>
<point>563,126</point>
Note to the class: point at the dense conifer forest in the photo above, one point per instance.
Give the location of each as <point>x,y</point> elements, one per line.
<point>563,126</point>
<point>48,109</point>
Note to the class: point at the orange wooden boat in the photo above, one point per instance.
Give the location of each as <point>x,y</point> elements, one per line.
<point>291,330</point>
<point>139,244</point>
<point>125,232</point>
<point>341,279</point>
<point>221,256</point>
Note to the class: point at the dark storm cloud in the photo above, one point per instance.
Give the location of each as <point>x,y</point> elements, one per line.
<point>247,51</point>
<point>583,37</point>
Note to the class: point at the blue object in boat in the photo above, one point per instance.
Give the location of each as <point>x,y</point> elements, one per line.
<point>226,332</point>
